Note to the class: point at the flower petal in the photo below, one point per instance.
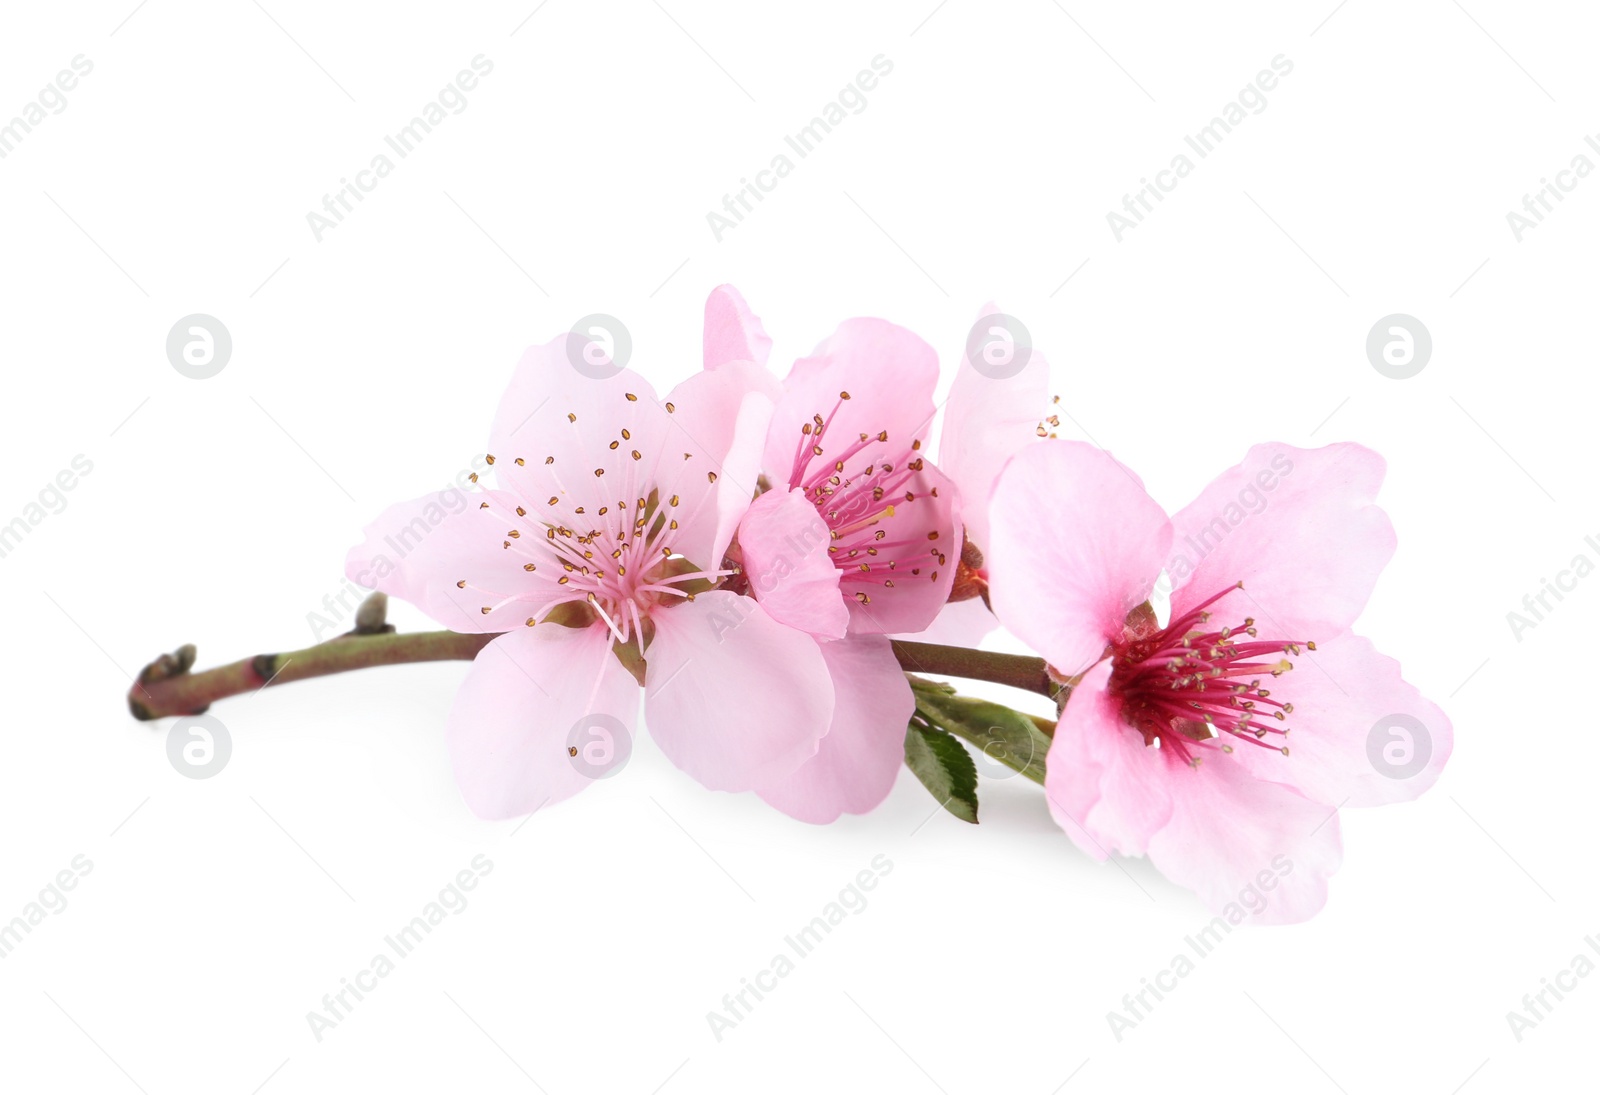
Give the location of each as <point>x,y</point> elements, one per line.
<point>733,697</point>
<point>1076,543</point>
<point>1360,735</point>
<point>959,623</point>
<point>1250,849</point>
<point>890,374</point>
<point>899,583</point>
<point>784,547</point>
<point>1103,785</point>
<point>419,550</point>
<point>732,332</point>
<point>987,420</point>
<point>526,698</point>
<point>1298,527</point>
<point>556,428</point>
<point>721,418</point>
<point>857,762</point>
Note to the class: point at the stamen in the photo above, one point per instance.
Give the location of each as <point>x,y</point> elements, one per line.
<point>1197,685</point>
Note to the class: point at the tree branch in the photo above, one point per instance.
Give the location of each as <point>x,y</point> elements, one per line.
<point>1016,670</point>
<point>167,687</point>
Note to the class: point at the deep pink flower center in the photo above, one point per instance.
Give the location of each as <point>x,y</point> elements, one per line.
<point>1193,685</point>
<point>860,503</point>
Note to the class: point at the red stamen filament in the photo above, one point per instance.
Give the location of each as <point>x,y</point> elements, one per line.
<point>1186,685</point>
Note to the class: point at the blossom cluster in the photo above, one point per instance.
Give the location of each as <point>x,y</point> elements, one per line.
<point>747,548</point>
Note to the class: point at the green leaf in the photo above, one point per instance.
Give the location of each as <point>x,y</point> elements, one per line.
<point>998,732</point>
<point>944,768</point>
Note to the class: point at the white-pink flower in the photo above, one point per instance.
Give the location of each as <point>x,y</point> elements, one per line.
<point>1222,742</point>
<point>855,539</point>
<point>612,511</point>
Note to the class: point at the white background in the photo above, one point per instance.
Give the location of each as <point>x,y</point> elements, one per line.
<point>365,370</point>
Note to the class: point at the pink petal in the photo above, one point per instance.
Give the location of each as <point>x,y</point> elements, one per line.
<point>1103,784</point>
<point>1359,734</point>
<point>959,623</point>
<point>890,374</point>
<point>733,333</point>
<point>1298,527</point>
<point>908,574</point>
<point>734,698</point>
<point>560,424</point>
<point>1075,544</point>
<point>784,544</point>
<point>1253,851</point>
<point>530,696</point>
<point>987,420</point>
<point>418,551</point>
<point>857,762</point>
<point>721,417</point>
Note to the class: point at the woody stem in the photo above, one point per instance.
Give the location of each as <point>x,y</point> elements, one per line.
<point>167,687</point>
<point>1016,670</point>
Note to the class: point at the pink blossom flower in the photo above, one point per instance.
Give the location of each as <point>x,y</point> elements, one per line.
<point>1176,742</point>
<point>612,509</point>
<point>855,539</point>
